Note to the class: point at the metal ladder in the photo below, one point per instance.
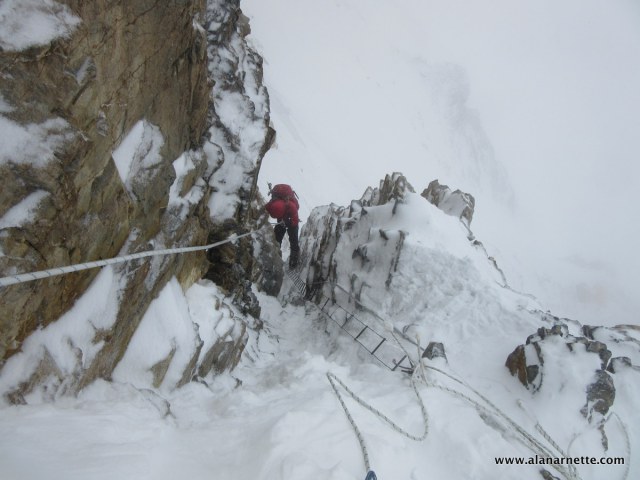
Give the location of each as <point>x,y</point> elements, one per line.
<point>377,345</point>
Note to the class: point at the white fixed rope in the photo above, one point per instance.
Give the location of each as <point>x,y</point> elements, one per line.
<point>28,277</point>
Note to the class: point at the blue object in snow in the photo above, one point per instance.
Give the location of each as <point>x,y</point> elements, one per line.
<point>371,476</point>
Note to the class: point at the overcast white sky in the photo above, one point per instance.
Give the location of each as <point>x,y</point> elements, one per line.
<point>531,106</point>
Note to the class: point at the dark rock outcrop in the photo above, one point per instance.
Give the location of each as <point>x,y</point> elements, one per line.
<point>392,188</point>
<point>434,350</point>
<point>455,203</point>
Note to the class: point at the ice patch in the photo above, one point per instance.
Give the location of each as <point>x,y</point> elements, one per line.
<point>139,150</point>
<point>183,166</point>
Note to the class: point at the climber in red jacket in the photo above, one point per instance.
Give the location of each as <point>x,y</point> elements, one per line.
<point>284,206</point>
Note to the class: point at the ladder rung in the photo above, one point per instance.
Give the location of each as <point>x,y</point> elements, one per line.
<point>307,291</point>
<point>381,342</point>
<point>361,332</point>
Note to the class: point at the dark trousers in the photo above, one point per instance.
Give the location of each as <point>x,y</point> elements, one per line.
<point>280,229</point>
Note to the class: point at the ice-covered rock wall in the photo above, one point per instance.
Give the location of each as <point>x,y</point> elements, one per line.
<point>352,247</point>
<point>128,126</point>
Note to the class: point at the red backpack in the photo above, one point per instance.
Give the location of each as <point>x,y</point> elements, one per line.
<point>283,204</point>
<point>283,191</point>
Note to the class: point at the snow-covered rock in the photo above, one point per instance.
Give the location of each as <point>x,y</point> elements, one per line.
<point>181,337</point>
<point>456,203</point>
<point>353,248</point>
<point>530,364</point>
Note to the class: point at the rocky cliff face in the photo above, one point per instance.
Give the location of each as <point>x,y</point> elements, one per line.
<point>141,128</point>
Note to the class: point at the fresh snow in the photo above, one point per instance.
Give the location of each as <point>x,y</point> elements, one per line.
<point>31,23</point>
<point>242,115</point>
<point>184,166</point>
<point>24,211</point>
<point>33,143</point>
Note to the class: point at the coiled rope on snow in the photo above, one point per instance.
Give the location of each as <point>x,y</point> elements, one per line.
<point>335,381</point>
